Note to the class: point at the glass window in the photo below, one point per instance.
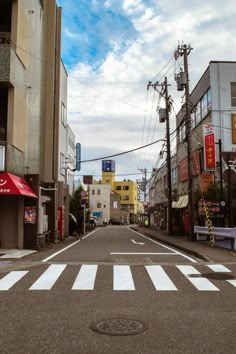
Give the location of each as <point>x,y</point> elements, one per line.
<point>62,164</point>
<point>204,105</point>
<point>99,191</point>
<point>93,191</point>
<point>233,94</point>
<point>99,205</point>
<point>118,188</point>
<point>209,99</point>
<point>63,114</point>
<point>115,205</point>
<point>125,197</point>
<point>125,188</point>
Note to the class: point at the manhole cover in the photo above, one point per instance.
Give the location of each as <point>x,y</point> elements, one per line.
<point>119,327</point>
<point>213,276</point>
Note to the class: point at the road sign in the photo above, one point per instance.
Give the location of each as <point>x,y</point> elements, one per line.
<point>83,194</point>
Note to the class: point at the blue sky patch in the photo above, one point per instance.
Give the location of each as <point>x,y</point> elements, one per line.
<point>90,31</point>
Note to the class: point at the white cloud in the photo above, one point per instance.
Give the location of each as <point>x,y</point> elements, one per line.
<point>98,93</point>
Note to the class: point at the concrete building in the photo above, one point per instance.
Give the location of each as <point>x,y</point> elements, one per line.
<point>213,116</point>
<point>99,202</point>
<point>30,101</point>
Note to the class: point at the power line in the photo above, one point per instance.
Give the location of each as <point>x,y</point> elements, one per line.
<point>123,153</point>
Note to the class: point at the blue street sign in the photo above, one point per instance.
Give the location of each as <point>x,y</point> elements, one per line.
<point>78,156</point>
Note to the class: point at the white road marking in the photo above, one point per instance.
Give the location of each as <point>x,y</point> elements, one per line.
<point>138,243</point>
<point>232,282</point>
<point>146,253</point>
<point>169,248</point>
<point>11,278</point>
<point>49,277</point>
<point>218,268</point>
<point>85,279</point>
<point>160,279</point>
<point>66,248</point>
<point>201,284</point>
<point>122,278</point>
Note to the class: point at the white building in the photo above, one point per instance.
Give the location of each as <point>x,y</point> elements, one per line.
<point>99,201</point>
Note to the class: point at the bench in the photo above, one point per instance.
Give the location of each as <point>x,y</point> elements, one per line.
<point>229,232</point>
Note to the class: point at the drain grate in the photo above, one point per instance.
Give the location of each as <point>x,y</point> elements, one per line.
<point>119,327</point>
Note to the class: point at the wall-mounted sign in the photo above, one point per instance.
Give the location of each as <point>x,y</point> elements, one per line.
<point>233,128</point>
<point>78,156</point>
<point>183,170</point>
<point>108,166</point>
<point>88,179</point>
<point>30,215</point>
<point>209,147</point>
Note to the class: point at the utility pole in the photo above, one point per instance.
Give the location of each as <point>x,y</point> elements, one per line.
<point>184,51</point>
<point>168,151</point>
<point>144,189</point>
<point>168,158</point>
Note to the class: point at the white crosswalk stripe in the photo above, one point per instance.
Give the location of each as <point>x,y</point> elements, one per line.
<point>12,278</point>
<point>122,277</point>
<point>160,279</point>
<point>201,284</point>
<point>85,279</point>
<point>49,277</point>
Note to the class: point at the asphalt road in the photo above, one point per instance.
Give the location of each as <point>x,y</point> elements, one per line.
<point>49,301</point>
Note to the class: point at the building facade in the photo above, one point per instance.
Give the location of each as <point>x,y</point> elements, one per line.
<point>213,120</point>
<point>30,74</point>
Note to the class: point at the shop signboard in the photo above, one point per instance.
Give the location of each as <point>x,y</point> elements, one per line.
<point>108,165</point>
<point>215,209</point>
<point>209,147</point>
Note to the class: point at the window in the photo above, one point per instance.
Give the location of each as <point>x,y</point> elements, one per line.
<point>62,164</point>
<point>204,105</point>
<point>125,188</point>
<point>118,188</point>
<point>115,205</point>
<point>63,114</point>
<point>125,197</point>
<point>233,94</point>
<point>93,191</point>
<point>99,205</point>
<point>99,191</point>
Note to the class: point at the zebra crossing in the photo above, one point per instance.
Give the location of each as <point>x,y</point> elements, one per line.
<point>123,279</point>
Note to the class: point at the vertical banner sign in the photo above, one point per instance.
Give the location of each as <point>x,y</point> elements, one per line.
<point>209,147</point>
<point>234,128</point>
<point>78,156</point>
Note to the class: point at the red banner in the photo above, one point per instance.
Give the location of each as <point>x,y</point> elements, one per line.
<point>209,147</point>
<point>183,170</point>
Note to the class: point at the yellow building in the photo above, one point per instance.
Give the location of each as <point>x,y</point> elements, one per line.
<point>128,191</point>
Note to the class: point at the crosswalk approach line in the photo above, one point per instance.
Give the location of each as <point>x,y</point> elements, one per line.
<point>49,277</point>
<point>11,279</point>
<point>159,278</point>
<point>85,279</point>
<point>122,278</point>
<point>202,284</point>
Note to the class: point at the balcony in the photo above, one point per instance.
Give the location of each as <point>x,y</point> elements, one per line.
<point>11,67</point>
<point>12,160</point>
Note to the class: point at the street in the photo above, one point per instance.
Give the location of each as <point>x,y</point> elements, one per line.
<point>50,300</point>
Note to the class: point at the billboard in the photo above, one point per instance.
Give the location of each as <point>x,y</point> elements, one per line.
<point>108,166</point>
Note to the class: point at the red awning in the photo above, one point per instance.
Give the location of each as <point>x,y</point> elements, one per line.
<point>15,185</point>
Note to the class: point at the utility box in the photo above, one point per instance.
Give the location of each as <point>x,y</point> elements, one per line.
<point>162,115</point>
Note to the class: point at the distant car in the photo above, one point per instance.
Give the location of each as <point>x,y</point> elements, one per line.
<point>115,222</point>
<point>93,221</point>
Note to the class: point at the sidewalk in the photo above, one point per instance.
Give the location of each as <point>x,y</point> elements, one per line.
<point>199,249</point>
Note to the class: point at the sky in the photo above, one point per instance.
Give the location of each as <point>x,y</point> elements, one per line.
<point>112,49</point>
